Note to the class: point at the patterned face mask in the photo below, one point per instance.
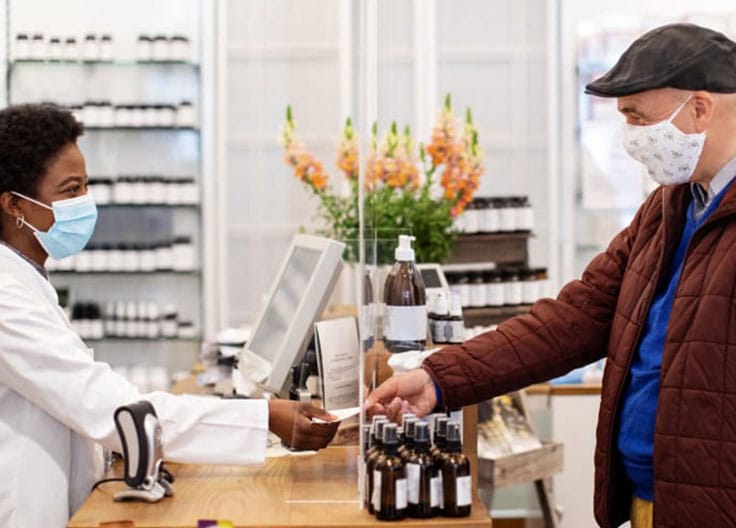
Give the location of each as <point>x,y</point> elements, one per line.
<point>669,154</point>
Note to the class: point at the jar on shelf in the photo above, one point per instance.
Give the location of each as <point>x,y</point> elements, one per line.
<point>169,322</point>
<point>78,112</point>
<point>457,223</point>
<point>139,194</point>
<point>157,190</point>
<point>123,190</point>
<point>150,116</point>
<point>101,189</point>
<point>131,258</point>
<point>165,256</point>
<point>131,319</point>
<point>477,290</point>
<point>185,258</point>
<point>137,116</point>
<point>91,48</point>
<point>512,287</point>
<point>470,219</point>
<point>186,330</point>
<point>38,48</point>
<point>543,279</point>
<point>506,215</point>
<point>106,51</point>
<point>463,288</point>
<point>495,290</point>
<point>180,49</point>
<point>529,286</point>
<point>490,216</point>
<point>105,114</point>
<point>481,204</point>
<point>97,257</point>
<point>122,115</point>
<point>153,323</point>
<point>109,319</point>
<point>160,48</point>
<point>120,319</point>
<point>22,47</point>
<point>189,192</point>
<point>144,48</point>
<point>82,260</point>
<point>167,116</point>
<point>55,50</point>
<point>148,258</point>
<point>524,214</point>
<point>90,115</point>
<point>71,50</point>
<point>185,116</point>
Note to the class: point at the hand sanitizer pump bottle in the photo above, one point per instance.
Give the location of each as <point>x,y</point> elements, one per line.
<point>405,321</point>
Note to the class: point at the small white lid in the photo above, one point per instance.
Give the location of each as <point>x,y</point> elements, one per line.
<point>404,252</point>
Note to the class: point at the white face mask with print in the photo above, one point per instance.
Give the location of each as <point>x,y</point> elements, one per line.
<point>669,154</point>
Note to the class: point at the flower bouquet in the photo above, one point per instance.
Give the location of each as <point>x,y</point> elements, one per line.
<point>418,191</point>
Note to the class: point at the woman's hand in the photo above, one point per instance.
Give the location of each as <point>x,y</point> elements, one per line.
<point>292,422</point>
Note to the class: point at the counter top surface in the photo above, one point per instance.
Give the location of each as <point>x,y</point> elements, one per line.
<point>310,490</point>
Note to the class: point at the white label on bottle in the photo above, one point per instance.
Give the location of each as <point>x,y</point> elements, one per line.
<point>412,476</point>
<point>376,490</point>
<point>456,332</point>
<point>401,494</point>
<point>405,323</point>
<point>462,491</point>
<point>439,331</point>
<point>435,492</point>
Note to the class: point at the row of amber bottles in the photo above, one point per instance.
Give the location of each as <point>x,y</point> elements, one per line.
<point>415,478</point>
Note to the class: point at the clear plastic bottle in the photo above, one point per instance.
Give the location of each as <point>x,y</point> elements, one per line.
<point>389,480</point>
<point>419,472</point>
<point>456,479</point>
<point>405,320</point>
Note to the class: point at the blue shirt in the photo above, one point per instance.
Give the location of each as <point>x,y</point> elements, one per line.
<point>639,404</point>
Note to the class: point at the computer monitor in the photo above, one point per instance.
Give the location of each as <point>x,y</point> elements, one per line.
<point>297,298</point>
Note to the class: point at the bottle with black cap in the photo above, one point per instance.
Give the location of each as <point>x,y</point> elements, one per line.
<point>419,472</point>
<point>438,452</point>
<point>389,480</point>
<point>440,435</point>
<point>407,447</point>
<point>456,480</point>
<point>372,456</point>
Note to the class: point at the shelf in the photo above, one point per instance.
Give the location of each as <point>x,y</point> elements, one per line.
<point>490,315</point>
<point>508,249</point>
<point>101,63</point>
<point>156,272</point>
<point>143,339</point>
<point>148,205</point>
<point>523,467</point>
<point>139,128</point>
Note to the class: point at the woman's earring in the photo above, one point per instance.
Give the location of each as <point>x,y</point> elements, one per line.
<point>19,222</point>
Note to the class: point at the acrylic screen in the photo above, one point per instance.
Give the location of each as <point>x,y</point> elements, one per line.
<point>282,306</point>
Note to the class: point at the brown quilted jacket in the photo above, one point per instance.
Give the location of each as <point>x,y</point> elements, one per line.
<point>602,315</point>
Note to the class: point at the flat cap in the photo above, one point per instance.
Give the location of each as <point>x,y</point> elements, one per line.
<point>684,56</point>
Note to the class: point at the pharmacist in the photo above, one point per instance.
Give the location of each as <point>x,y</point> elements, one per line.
<point>659,303</point>
<point>56,402</point>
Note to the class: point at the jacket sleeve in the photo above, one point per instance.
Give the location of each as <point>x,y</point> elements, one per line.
<point>557,336</point>
<point>46,362</point>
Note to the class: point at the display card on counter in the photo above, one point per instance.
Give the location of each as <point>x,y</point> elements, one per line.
<point>338,357</point>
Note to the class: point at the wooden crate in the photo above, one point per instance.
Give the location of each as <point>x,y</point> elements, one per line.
<point>537,464</point>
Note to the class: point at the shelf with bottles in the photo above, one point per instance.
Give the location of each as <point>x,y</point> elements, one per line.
<point>111,339</point>
<point>99,48</point>
<point>145,190</point>
<point>116,63</point>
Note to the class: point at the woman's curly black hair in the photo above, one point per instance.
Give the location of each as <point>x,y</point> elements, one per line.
<point>31,136</point>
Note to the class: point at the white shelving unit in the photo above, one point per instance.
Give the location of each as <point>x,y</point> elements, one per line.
<point>111,151</point>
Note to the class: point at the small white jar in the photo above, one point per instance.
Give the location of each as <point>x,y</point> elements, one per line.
<point>106,48</point>
<point>167,116</point>
<point>153,324</point>
<point>185,115</point>
<point>55,49</point>
<point>22,47</point>
<point>71,50</point>
<point>150,116</point>
<point>38,48</point>
<point>148,258</point>
<point>138,190</point>
<point>98,258</point>
<point>170,322</point>
<point>186,330</point>
<point>506,216</point>
<point>83,262</point>
<point>189,192</point>
<point>90,48</point>
<point>180,49</point>
<point>470,219</point>
<point>131,319</point>
<point>184,254</point>
<point>105,114</point>
<point>160,48</point>
<point>157,190</point>
<point>495,290</point>
<point>165,257</point>
<point>144,49</point>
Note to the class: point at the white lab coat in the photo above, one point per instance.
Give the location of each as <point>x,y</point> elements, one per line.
<point>57,403</point>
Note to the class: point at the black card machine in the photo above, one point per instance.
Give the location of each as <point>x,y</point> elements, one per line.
<point>141,438</point>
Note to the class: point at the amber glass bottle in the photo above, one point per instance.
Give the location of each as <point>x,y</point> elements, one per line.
<point>372,456</point>
<point>405,319</point>
<point>389,479</point>
<point>419,472</point>
<point>456,480</point>
<point>440,436</point>
<point>407,447</point>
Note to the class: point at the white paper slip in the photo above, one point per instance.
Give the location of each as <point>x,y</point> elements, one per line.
<point>340,414</point>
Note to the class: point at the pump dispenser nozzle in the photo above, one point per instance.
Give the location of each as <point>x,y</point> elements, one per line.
<point>405,253</point>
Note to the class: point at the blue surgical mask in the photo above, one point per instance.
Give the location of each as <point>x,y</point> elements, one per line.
<point>74,223</point>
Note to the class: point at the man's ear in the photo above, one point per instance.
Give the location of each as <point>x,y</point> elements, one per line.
<point>704,104</point>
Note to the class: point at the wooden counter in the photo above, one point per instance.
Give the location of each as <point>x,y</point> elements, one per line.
<point>316,490</point>
<point>573,389</point>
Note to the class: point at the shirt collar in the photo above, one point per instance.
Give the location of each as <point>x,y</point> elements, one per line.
<point>38,268</point>
<point>717,184</point>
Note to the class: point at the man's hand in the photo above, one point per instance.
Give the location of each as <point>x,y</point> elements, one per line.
<point>409,392</point>
<point>292,422</point>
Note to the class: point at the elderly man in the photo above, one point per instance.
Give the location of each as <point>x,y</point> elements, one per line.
<point>659,303</point>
